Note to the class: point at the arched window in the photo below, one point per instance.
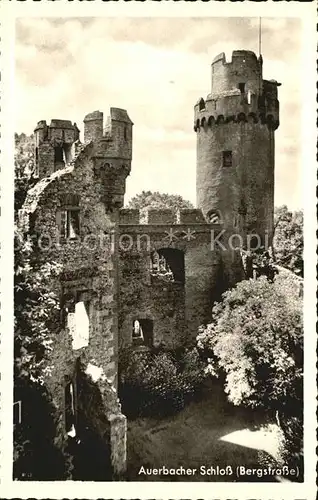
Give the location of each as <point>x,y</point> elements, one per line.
<point>142,332</point>
<point>214,216</point>
<point>201,104</point>
<point>168,264</point>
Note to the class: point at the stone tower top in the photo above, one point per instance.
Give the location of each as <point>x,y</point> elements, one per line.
<point>54,145</point>
<point>244,68</point>
<point>238,93</point>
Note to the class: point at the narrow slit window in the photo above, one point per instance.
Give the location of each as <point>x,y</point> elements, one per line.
<point>58,154</point>
<point>17,412</point>
<point>72,223</point>
<point>70,410</point>
<point>36,167</point>
<point>227,158</point>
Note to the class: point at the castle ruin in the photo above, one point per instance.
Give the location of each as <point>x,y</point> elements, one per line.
<point>127,282</point>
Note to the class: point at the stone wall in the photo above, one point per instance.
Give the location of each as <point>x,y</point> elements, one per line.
<point>176,308</point>
<point>89,266</point>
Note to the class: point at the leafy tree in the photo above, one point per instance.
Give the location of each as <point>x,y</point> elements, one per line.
<point>24,163</point>
<point>288,239</point>
<point>37,314</point>
<point>159,383</point>
<point>256,339</point>
<point>156,200</point>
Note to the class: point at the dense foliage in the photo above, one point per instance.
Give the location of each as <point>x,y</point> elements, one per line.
<point>24,164</point>
<point>159,384</point>
<point>288,239</point>
<point>156,200</point>
<point>37,312</point>
<point>256,339</point>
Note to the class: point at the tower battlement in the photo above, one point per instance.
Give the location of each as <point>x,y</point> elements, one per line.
<point>238,93</point>
<point>244,67</point>
<point>129,216</point>
<point>56,144</point>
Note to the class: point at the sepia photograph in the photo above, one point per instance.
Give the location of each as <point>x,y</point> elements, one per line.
<point>159,280</point>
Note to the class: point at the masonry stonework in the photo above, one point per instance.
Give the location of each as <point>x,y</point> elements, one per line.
<point>72,213</point>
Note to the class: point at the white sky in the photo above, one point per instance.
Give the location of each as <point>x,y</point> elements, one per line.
<point>156,69</point>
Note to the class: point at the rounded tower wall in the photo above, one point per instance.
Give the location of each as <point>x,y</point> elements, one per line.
<point>241,192</point>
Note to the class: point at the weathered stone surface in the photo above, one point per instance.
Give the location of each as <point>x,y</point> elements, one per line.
<point>89,265</point>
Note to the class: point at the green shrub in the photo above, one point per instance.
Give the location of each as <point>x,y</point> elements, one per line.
<point>158,383</point>
<point>256,337</point>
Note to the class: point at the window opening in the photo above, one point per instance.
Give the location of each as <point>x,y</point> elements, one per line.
<point>78,321</point>
<point>168,264</point>
<point>241,86</point>
<point>72,223</point>
<point>201,104</point>
<point>17,412</point>
<point>70,410</point>
<point>67,153</point>
<point>227,158</point>
<point>142,332</point>
<point>214,217</point>
<point>58,154</point>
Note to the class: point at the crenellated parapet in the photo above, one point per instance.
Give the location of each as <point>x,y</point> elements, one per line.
<point>57,144</point>
<point>238,94</point>
<point>128,216</point>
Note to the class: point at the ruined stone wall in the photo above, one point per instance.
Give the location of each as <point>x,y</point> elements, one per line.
<point>177,309</point>
<point>90,266</point>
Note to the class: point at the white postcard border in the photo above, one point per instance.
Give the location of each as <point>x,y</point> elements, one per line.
<point>146,490</point>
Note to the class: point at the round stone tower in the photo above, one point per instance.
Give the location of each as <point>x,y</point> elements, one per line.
<point>235,128</point>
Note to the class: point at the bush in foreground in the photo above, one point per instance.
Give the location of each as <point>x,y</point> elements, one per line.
<point>159,384</point>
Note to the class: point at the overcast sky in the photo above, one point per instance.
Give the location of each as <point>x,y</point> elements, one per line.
<point>156,69</point>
